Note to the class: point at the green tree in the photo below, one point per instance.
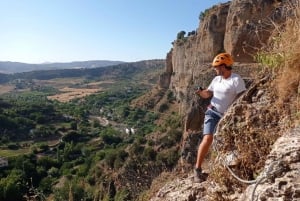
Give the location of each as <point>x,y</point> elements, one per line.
<point>12,187</point>
<point>46,185</point>
<point>180,35</point>
<point>111,139</point>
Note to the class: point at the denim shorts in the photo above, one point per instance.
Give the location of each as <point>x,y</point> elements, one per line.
<point>211,120</point>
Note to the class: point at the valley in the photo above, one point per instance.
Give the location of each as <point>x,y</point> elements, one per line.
<point>76,128</point>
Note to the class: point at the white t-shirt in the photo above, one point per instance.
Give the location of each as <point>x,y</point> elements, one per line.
<point>225,91</point>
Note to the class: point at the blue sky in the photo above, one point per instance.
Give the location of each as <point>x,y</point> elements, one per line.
<point>38,31</point>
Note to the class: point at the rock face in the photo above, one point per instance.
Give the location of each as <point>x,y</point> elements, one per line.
<point>280,178</point>
<point>241,28</point>
<point>281,175</point>
<point>249,25</point>
<point>182,190</point>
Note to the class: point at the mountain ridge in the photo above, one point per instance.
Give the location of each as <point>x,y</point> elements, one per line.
<point>9,67</point>
<point>117,70</point>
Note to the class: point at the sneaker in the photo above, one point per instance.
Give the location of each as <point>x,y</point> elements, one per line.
<point>198,175</point>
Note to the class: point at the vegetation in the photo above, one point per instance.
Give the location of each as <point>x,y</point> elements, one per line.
<point>180,35</point>
<point>69,151</point>
<point>202,15</point>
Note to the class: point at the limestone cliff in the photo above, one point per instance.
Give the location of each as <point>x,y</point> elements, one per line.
<point>241,28</point>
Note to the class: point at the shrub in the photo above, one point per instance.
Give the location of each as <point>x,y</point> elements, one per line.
<point>168,158</point>
<point>180,35</point>
<point>122,195</point>
<point>136,149</point>
<point>110,157</point>
<point>202,15</point>
<point>163,107</point>
<point>170,96</point>
<point>149,153</point>
<point>53,172</point>
<point>110,139</point>
<point>13,146</point>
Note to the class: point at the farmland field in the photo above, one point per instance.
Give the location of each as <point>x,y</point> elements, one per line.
<point>10,153</point>
<point>5,88</point>
<point>68,88</point>
<point>72,93</point>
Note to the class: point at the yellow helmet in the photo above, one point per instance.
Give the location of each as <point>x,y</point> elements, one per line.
<point>222,58</point>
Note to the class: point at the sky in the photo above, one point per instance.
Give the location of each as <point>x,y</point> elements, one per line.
<point>40,31</point>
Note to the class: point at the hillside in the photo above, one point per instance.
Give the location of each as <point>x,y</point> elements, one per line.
<point>17,67</point>
<point>76,125</point>
<point>124,70</point>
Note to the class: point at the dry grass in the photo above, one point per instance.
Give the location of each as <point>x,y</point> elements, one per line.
<point>5,88</point>
<point>69,93</point>
<point>288,81</point>
<point>282,56</point>
<point>72,93</point>
<point>288,77</point>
